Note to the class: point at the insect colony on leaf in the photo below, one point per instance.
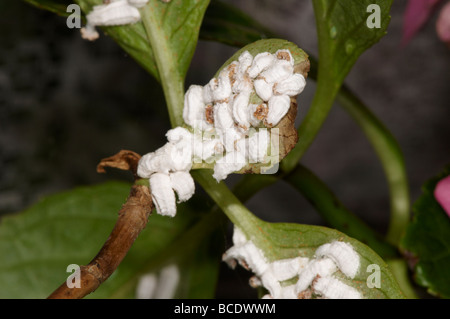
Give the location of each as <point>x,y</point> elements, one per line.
<point>225,127</point>
<point>313,275</point>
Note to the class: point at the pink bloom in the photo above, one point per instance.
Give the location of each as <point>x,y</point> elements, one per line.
<point>443,24</point>
<point>416,15</point>
<point>442,194</point>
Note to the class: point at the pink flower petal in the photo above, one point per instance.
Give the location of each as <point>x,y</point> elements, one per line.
<point>442,194</point>
<point>443,24</point>
<point>416,15</point>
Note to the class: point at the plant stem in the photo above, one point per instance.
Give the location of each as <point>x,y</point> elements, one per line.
<point>239,215</point>
<point>226,200</point>
<point>328,85</point>
<point>391,158</point>
<point>171,79</point>
<point>132,220</point>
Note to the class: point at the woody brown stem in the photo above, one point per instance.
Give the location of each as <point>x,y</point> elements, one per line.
<point>132,220</point>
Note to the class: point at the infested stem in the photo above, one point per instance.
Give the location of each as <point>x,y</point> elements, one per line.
<point>239,215</point>
<point>132,220</point>
<point>133,217</point>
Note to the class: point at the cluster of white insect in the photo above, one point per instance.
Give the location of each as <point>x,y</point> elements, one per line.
<point>314,276</point>
<point>168,171</point>
<point>112,12</point>
<point>228,131</point>
<point>224,106</point>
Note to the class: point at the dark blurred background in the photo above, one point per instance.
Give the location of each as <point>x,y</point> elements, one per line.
<point>66,103</point>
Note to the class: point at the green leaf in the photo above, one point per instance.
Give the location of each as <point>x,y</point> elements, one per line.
<point>344,33</point>
<point>281,241</point>
<point>131,37</point>
<point>133,40</point>
<point>286,127</point>
<point>36,246</point>
<point>343,37</point>
<point>178,23</point>
<point>163,43</point>
<point>426,242</point>
<point>52,6</point>
<point>172,31</point>
<point>301,62</point>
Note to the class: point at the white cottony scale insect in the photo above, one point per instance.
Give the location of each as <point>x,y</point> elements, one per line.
<point>258,146</point>
<point>231,162</point>
<point>230,104</point>
<point>278,107</point>
<point>316,267</point>
<point>263,89</point>
<point>292,86</point>
<point>116,12</point>
<point>208,91</point>
<point>158,161</point>
<point>242,81</point>
<point>285,55</point>
<point>183,185</point>
<point>194,108</point>
<point>207,148</point>
<point>261,62</point>
<point>343,254</point>
<point>162,194</point>
<point>223,90</point>
<point>314,275</point>
<point>250,94</point>
<point>279,71</point>
<point>240,110</point>
<point>285,269</point>
<point>245,61</point>
<point>332,288</point>
<point>89,33</point>
<point>223,118</point>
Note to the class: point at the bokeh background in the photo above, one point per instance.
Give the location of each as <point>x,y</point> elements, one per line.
<point>65,103</point>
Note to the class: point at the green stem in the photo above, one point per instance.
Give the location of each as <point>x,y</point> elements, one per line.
<point>239,215</point>
<point>328,85</point>
<point>171,79</point>
<point>250,185</point>
<point>334,212</point>
<point>391,158</point>
<point>226,200</point>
